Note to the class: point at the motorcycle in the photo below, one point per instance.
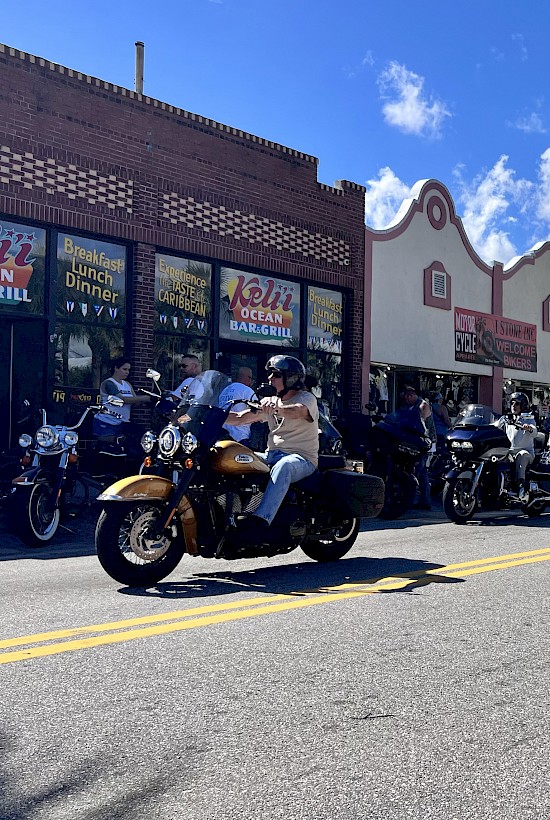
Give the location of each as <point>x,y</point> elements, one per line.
<point>51,486</point>
<point>482,476</point>
<point>395,450</point>
<point>148,522</point>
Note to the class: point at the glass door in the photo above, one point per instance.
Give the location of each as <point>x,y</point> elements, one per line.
<point>22,368</point>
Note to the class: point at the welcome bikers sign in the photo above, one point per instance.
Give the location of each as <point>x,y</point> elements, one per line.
<point>483,338</point>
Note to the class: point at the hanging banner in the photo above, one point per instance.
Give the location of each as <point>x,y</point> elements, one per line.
<point>256,308</point>
<point>183,295</point>
<point>22,266</point>
<point>324,319</point>
<point>91,281</point>
<point>487,339</point>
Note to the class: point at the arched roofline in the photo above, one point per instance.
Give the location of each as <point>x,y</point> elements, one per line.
<point>529,258</point>
<point>417,203</point>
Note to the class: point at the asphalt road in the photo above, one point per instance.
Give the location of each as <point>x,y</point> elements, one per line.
<point>408,680</point>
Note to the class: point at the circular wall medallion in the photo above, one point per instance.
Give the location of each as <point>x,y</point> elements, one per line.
<point>437,213</point>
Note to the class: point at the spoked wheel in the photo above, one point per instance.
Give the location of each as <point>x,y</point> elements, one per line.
<point>458,503</point>
<point>127,548</point>
<point>36,521</point>
<point>333,543</point>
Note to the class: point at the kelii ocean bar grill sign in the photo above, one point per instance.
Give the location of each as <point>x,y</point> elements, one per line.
<point>91,281</point>
<point>183,290</point>
<point>256,308</point>
<point>324,319</point>
<point>22,266</point>
<point>483,338</point>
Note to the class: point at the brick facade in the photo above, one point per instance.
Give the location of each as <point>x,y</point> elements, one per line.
<point>85,155</point>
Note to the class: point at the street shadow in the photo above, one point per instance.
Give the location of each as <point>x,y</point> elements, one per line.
<point>74,539</point>
<point>299,579</point>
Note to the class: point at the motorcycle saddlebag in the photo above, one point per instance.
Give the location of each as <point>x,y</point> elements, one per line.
<point>355,494</point>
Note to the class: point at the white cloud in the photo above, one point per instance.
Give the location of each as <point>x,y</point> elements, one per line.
<point>543,191</point>
<point>383,199</point>
<point>407,108</point>
<point>487,200</point>
<point>531,124</point>
<point>368,59</point>
<point>524,54</point>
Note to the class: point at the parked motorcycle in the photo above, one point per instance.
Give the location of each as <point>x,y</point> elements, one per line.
<point>51,486</point>
<point>148,522</point>
<point>395,450</point>
<point>482,476</point>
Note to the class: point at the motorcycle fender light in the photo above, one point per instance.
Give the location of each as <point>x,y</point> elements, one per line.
<point>73,458</point>
<point>147,461</point>
<point>188,463</point>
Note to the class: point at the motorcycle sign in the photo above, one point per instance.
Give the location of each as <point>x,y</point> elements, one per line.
<point>483,338</point>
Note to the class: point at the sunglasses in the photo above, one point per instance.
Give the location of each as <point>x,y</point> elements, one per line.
<point>277,374</point>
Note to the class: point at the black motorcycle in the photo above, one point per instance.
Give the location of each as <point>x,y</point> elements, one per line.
<point>52,485</point>
<point>482,475</point>
<point>148,522</point>
<point>396,446</point>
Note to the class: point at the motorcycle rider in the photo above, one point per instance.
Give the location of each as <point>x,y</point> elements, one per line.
<point>414,413</point>
<point>293,442</point>
<point>521,430</point>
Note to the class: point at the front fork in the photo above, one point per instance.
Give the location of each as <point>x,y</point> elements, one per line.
<point>477,476</point>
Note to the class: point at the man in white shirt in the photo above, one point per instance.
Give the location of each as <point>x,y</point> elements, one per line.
<point>239,389</point>
<point>190,367</point>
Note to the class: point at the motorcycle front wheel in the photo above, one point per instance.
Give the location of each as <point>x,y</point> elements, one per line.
<point>35,520</point>
<point>458,504</point>
<point>334,543</point>
<point>128,551</point>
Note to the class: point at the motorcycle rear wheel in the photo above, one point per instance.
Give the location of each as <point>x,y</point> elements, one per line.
<point>35,524</point>
<point>126,551</point>
<point>334,544</point>
<point>458,504</point>
<point>399,495</point>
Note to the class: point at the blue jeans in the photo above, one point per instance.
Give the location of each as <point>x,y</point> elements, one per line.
<point>285,470</point>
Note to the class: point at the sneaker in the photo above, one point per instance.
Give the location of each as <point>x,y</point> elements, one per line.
<point>523,495</point>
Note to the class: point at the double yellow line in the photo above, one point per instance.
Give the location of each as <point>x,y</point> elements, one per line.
<point>85,637</point>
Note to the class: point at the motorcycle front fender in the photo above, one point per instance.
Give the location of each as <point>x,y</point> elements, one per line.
<point>458,471</point>
<point>140,488</point>
<point>30,477</point>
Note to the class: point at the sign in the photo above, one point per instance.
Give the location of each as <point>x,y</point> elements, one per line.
<point>486,339</point>
<point>183,295</point>
<point>91,281</point>
<point>256,308</point>
<point>22,265</point>
<point>324,319</point>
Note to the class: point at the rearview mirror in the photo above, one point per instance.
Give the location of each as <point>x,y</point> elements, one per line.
<point>152,374</point>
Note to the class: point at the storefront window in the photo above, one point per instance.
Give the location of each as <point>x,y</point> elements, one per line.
<point>22,266</point>
<point>327,370</point>
<point>170,350</point>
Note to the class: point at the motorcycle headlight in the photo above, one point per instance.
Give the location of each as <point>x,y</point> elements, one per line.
<point>148,441</point>
<point>169,441</point>
<point>189,443</point>
<point>47,437</point>
<point>71,438</point>
<point>25,440</point>
<point>462,445</point>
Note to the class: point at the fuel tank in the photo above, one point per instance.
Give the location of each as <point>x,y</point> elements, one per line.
<point>230,457</point>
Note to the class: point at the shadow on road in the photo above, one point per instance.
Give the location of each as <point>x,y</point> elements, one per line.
<point>300,579</point>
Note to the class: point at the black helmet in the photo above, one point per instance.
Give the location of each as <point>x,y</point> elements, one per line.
<point>523,400</point>
<point>292,371</point>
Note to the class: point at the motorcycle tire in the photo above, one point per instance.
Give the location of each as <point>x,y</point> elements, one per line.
<point>125,552</point>
<point>535,509</point>
<point>34,524</point>
<point>399,495</point>
<point>455,505</point>
<point>334,546</point>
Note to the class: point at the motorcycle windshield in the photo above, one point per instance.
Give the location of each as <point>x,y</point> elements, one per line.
<point>203,421</point>
<point>476,415</point>
<point>205,388</point>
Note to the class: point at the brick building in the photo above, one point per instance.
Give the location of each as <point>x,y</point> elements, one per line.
<point>128,225</point>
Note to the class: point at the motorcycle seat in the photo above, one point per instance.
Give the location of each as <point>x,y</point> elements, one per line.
<point>331,462</point>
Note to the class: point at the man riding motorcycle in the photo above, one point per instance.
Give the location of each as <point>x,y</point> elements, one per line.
<point>521,430</point>
<point>293,443</point>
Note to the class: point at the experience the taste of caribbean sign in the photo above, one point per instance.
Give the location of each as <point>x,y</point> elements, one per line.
<point>183,290</point>
<point>487,339</point>
<point>91,281</point>
<point>22,265</point>
<point>256,308</point>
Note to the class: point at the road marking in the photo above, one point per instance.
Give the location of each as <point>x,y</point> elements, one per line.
<point>59,641</point>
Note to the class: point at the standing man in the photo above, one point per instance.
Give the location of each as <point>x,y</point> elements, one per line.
<point>293,443</point>
<point>241,388</point>
<point>415,411</point>
<point>190,368</point>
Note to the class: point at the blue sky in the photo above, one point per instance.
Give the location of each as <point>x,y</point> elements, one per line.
<point>383,93</point>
